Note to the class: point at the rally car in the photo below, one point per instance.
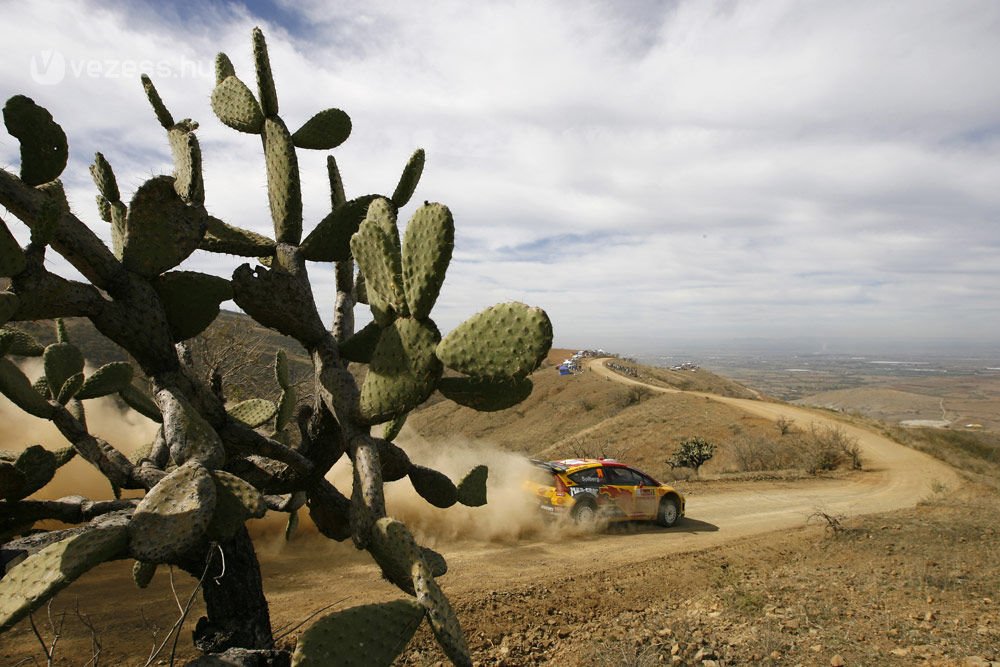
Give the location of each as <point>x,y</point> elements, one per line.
<point>588,489</point>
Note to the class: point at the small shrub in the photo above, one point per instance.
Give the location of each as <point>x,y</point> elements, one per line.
<point>827,447</point>
<point>692,453</point>
<point>757,454</point>
<point>784,425</point>
<point>834,523</point>
<point>633,396</point>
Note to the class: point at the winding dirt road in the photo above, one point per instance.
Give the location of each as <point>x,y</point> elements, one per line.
<point>895,477</point>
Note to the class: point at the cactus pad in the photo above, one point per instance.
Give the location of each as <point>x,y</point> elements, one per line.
<point>104,178</point>
<point>16,342</point>
<point>337,196</point>
<point>394,549</point>
<point>9,303</point>
<point>330,241</point>
<point>409,179</point>
<point>69,388</point>
<point>236,501</point>
<point>371,635</point>
<point>375,247</point>
<point>62,360</point>
<point>327,129</point>
<point>361,345</point>
<point>508,340</point>
<point>283,188</point>
<point>435,561</point>
<point>139,400</point>
<point>286,409</point>
<point>191,300</point>
<point>427,247</point>
<point>15,386</point>
<point>235,106</point>
<point>27,471</point>
<point>444,623</point>
<point>392,428</point>
<point>472,488</point>
<point>160,230</point>
<point>188,183</point>
<point>254,412</point>
<point>190,436</point>
<point>433,486</point>
<point>142,573</point>
<point>281,375</point>
<point>292,525</point>
<point>44,150</point>
<point>159,108</point>
<point>103,208</point>
<point>223,68</point>
<point>224,238</point>
<point>42,387</point>
<point>393,460</point>
<point>265,81</point>
<point>403,371</point>
<point>12,260</point>
<point>108,379</point>
<point>485,395</point>
<point>32,582</point>
<point>174,516</point>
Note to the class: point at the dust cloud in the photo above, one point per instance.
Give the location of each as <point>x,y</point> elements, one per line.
<point>126,430</point>
<point>509,516</point>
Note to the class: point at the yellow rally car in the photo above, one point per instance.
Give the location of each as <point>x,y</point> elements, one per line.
<point>588,489</point>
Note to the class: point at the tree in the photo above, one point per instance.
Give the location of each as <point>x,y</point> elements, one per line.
<point>214,465</point>
<point>692,453</point>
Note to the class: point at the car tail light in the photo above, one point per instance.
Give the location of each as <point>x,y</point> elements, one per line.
<point>561,488</point>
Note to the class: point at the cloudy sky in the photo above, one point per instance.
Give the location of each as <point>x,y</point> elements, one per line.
<point>648,172</point>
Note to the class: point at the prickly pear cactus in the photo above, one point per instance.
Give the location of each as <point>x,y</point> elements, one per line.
<point>213,466</point>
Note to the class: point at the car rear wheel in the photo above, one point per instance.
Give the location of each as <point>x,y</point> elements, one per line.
<point>669,513</point>
<point>585,514</point>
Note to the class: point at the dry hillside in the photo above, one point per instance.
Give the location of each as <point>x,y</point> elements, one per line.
<point>586,414</point>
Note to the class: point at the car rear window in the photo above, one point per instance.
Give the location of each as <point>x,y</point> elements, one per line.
<point>621,477</point>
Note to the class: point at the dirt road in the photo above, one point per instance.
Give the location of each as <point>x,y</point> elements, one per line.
<point>895,477</point>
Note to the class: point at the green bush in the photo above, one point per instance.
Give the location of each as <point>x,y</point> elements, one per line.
<point>692,453</point>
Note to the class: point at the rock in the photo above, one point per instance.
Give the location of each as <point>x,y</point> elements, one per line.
<point>837,661</point>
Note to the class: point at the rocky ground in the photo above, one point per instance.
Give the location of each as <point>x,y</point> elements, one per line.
<point>913,587</point>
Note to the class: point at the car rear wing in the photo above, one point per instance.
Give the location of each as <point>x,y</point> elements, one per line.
<point>548,465</point>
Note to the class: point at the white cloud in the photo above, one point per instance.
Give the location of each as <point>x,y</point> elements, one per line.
<point>640,169</point>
